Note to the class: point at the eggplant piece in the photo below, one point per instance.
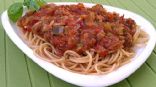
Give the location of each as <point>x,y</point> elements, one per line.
<point>56,30</point>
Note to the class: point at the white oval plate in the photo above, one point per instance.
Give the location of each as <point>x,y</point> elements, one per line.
<point>89,80</point>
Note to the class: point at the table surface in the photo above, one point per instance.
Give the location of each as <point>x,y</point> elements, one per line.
<point>16,70</point>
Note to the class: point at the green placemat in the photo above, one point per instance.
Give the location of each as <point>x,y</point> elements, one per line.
<point>16,70</point>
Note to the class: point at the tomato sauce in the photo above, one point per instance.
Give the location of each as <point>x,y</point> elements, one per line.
<point>78,28</point>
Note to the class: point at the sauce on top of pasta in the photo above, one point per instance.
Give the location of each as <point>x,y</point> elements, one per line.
<point>78,28</point>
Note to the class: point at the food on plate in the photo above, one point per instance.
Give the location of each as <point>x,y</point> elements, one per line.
<point>81,39</point>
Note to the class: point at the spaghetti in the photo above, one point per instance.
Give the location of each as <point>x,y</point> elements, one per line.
<point>88,60</point>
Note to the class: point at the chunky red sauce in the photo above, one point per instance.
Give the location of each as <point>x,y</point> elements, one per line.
<point>77,28</point>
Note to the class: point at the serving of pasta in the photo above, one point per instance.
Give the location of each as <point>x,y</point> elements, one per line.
<point>81,39</point>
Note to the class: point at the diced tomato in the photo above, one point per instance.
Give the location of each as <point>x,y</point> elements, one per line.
<point>77,28</point>
<point>103,53</point>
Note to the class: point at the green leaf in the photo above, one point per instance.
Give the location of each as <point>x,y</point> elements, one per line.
<point>15,11</point>
<point>26,3</point>
<point>34,4</point>
<point>40,2</point>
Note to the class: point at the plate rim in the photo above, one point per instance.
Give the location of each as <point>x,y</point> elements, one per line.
<point>76,82</point>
